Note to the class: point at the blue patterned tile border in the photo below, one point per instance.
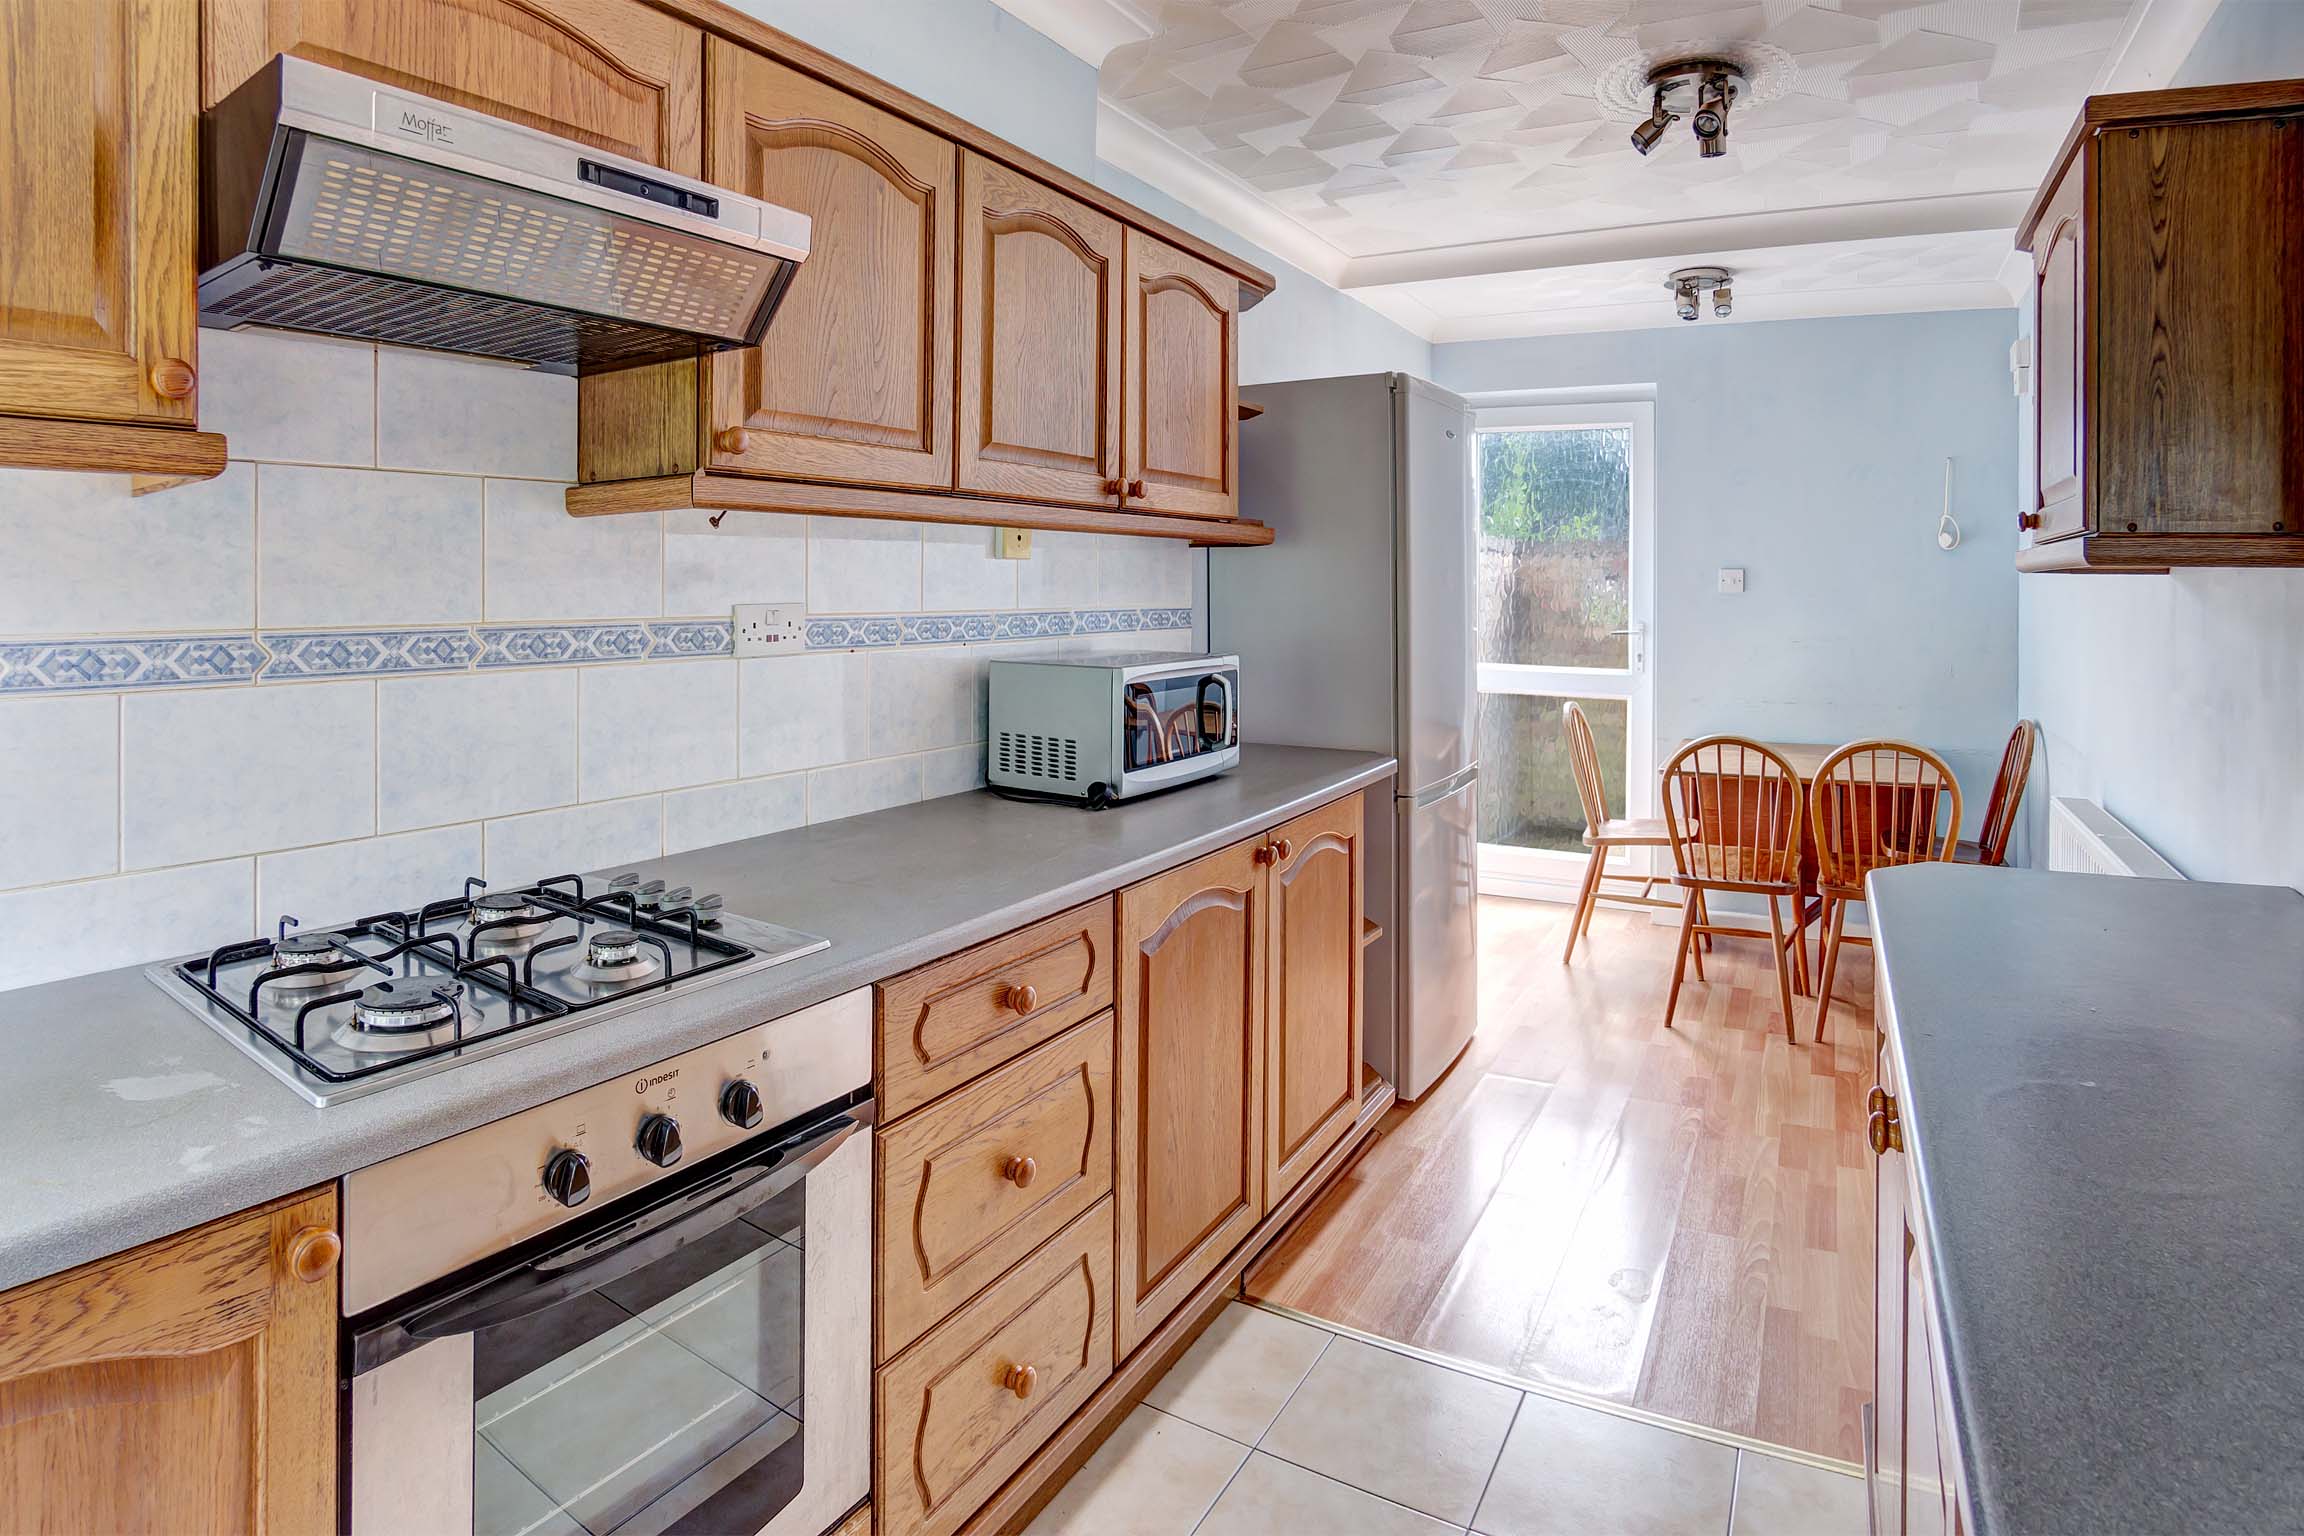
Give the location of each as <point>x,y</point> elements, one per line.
<point>77,666</point>
<point>373,653</point>
<point>140,661</point>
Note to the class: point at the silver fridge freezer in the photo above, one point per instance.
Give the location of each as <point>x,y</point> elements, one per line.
<point>1355,629</point>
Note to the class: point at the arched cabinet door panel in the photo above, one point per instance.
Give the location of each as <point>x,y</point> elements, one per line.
<point>853,382</point>
<point>1181,442</point>
<point>1040,341</point>
<point>616,74</point>
<point>1313,976</point>
<point>1190,1171</point>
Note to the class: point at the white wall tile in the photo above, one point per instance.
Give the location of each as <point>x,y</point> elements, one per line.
<point>577,840</point>
<point>722,813</point>
<point>655,725</point>
<point>468,746</point>
<point>960,573</point>
<point>1062,572</point>
<point>86,558</point>
<point>216,771</point>
<point>953,771</point>
<point>70,930</point>
<point>544,564</point>
<point>752,557</point>
<point>925,699</point>
<point>861,565</point>
<point>470,416</point>
<point>59,789</point>
<point>358,547</point>
<point>276,395</point>
<point>804,711</point>
<point>1144,573</point>
<point>342,882</point>
<point>851,789</point>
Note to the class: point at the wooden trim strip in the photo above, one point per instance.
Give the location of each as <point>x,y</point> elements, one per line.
<point>724,21</point>
<point>1038,1480</point>
<point>172,453</point>
<point>739,493</point>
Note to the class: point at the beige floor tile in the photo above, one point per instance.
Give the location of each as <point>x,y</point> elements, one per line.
<point>1572,1471</point>
<point>1776,1497</point>
<point>1417,1434</point>
<point>1237,1375</point>
<point>1271,1497</point>
<point>1156,1476</point>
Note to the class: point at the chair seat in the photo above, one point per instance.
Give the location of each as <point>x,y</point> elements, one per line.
<point>1968,853</point>
<point>1629,832</point>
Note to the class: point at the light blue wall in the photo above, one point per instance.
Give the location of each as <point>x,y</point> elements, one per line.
<point>975,60</point>
<point>2178,700</point>
<point>1811,454</point>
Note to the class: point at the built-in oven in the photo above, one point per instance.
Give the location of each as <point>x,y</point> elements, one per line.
<point>644,1308</point>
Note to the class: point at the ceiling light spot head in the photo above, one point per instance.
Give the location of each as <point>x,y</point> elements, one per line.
<point>1688,285</point>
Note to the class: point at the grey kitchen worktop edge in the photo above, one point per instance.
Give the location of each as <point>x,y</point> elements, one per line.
<point>131,1120</point>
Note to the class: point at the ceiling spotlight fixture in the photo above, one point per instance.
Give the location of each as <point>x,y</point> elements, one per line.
<point>1688,285</point>
<point>1711,85</point>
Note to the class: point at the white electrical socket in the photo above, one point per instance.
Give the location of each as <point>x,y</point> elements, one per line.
<point>767,629</point>
<point>1731,580</point>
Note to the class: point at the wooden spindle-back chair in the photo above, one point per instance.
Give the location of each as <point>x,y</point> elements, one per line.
<point>1875,805</point>
<point>1602,833</point>
<point>1999,829</point>
<point>1732,809</point>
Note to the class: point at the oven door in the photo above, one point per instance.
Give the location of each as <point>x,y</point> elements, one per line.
<point>1178,725</point>
<point>696,1358</point>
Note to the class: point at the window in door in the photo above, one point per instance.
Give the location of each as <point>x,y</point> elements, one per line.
<point>1564,587</point>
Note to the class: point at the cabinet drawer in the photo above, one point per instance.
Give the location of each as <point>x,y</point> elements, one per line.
<point>980,1178</point>
<point>962,1409</point>
<point>958,1018</point>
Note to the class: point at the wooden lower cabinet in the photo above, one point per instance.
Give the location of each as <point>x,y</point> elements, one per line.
<point>187,1385</point>
<point>1914,1482</point>
<point>1313,979</point>
<point>962,1409</point>
<point>1190,1169</point>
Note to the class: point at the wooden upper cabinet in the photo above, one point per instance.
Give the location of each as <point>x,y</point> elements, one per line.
<point>1189,1177</point>
<point>188,1385</point>
<point>98,315</point>
<point>1040,289</point>
<point>854,380</point>
<point>2060,374</point>
<point>1181,450</point>
<point>616,74</point>
<point>1314,977</point>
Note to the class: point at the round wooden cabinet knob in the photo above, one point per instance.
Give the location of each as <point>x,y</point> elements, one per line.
<point>1137,490</point>
<point>173,378</point>
<point>1019,1171</point>
<point>1020,1379</point>
<point>2027,521</point>
<point>1281,850</point>
<point>1020,999</point>
<point>1263,853</point>
<point>1114,487</point>
<point>731,440</point>
<point>313,1252</point>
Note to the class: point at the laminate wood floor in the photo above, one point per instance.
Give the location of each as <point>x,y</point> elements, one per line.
<point>1679,1221</point>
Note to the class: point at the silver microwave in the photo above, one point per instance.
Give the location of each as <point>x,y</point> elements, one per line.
<point>1104,726</point>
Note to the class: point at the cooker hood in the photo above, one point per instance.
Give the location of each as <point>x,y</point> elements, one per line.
<point>334,204</point>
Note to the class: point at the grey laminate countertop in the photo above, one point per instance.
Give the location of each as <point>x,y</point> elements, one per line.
<point>2101,1089</point>
<point>127,1118</point>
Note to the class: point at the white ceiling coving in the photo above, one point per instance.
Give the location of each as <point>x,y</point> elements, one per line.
<point>1442,155</point>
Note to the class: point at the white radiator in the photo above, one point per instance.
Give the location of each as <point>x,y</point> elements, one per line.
<point>2084,838</point>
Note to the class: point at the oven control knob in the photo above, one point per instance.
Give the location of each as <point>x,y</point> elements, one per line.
<point>567,1177</point>
<point>659,1140</point>
<point>740,1104</point>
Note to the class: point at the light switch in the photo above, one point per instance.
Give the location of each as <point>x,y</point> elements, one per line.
<point>1731,578</point>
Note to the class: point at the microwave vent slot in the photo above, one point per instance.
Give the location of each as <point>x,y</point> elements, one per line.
<point>1029,755</point>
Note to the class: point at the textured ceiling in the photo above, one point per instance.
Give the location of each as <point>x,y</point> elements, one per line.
<point>1401,125</point>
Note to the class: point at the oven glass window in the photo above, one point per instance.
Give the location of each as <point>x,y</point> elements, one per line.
<point>1173,718</point>
<point>671,1400</point>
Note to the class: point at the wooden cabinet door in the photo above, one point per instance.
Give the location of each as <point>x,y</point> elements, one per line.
<point>2060,377</point>
<point>1039,340</point>
<point>97,269</point>
<point>616,74</point>
<point>854,380</point>
<point>188,1385</point>
<point>1181,439</point>
<point>1313,981</point>
<point>1888,1334</point>
<point>1189,1173</point>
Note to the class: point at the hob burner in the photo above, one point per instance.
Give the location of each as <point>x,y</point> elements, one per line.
<point>401,1014</point>
<point>330,952</point>
<point>616,955</point>
<point>508,915</point>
